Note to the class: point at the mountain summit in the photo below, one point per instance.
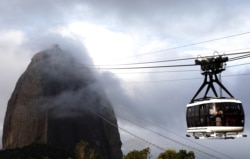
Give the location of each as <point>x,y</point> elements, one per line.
<point>58,102</point>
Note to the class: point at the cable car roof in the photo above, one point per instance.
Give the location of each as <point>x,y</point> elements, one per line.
<point>213,100</point>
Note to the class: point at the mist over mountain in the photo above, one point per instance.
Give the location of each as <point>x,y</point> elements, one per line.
<point>57,101</point>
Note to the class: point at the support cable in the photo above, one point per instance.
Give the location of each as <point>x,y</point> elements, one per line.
<point>130,133</point>
<point>183,79</point>
<point>147,67</point>
<point>168,138</point>
<point>150,62</point>
<point>144,140</point>
<point>188,45</point>
<point>239,57</point>
<point>160,66</point>
<point>167,60</point>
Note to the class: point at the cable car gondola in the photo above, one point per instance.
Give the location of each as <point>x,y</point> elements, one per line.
<point>214,117</point>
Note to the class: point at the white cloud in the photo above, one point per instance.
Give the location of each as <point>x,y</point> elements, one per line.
<point>114,29</point>
<point>102,44</point>
<point>14,58</point>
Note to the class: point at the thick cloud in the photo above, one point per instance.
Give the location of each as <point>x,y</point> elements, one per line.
<point>28,26</point>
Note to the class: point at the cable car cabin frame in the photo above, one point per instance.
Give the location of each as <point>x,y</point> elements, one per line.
<point>214,117</point>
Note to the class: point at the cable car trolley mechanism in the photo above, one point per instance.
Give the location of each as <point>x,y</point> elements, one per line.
<point>214,117</point>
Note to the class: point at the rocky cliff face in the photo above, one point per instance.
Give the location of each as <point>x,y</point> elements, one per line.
<point>58,102</point>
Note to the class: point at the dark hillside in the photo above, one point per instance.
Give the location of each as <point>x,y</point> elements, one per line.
<point>56,102</point>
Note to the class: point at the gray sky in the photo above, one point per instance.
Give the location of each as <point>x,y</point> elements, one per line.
<point>118,32</point>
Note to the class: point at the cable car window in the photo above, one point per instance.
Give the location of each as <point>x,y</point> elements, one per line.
<point>192,116</point>
<point>203,114</point>
<point>234,115</point>
<point>211,109</point>
<point>191,111</point>
<point>188,115</point>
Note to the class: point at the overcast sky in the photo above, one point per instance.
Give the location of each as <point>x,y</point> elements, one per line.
<point>149,103</point>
